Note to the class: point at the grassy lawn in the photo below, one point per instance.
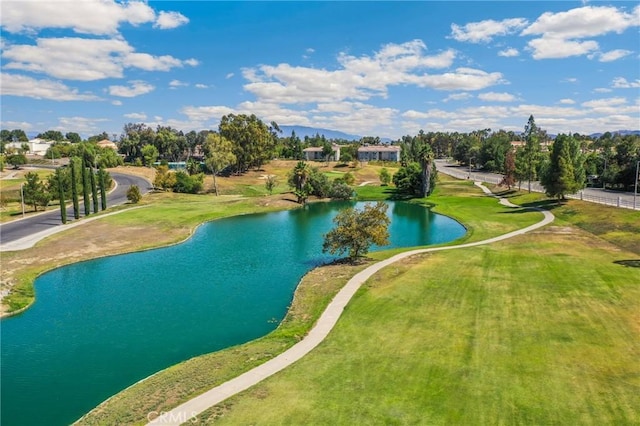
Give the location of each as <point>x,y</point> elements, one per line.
<point>167,388</point>
<point>540,329</point>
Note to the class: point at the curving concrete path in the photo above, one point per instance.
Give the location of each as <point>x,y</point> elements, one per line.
<point>190,409</point>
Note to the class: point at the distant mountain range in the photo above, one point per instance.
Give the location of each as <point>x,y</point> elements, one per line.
<point>620,132</point>
<point>302,131</point>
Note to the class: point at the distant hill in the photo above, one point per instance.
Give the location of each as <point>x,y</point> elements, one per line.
<point>302,131</point>
<point>620,132</point>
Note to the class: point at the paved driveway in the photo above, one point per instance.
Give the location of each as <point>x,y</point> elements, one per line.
<point>34,224</point>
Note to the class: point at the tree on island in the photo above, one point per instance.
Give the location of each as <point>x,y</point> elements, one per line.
<point>356,230</point>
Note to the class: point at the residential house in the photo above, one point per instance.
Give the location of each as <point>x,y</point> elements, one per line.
<point>314,153</point>
<point>379,153</point>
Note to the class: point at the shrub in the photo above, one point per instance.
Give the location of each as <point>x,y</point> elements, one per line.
<point>133,194</point>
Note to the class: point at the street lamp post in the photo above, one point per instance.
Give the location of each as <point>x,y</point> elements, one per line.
<point>604,172</point>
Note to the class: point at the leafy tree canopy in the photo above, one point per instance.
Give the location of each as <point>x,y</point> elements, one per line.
<point>357,230</point>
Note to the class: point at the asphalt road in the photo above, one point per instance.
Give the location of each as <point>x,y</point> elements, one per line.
<point>17,229</point>
<point>597,195</point>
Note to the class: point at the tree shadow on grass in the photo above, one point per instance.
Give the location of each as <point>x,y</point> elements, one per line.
<point>630,263</point>
<point>548,204</point>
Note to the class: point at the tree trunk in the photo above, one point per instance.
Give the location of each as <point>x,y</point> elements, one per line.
<point>215,183</point>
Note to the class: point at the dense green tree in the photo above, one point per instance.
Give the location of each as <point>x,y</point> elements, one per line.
<point>319,184</point>
<point>218,155</point>
<point>16,160</point>
<point>75,167</point>
<point>356,230</point>
<point>408,179</point>
<point>560,177</point>
<point>531,152</point>
<point>35,191</point>
<point>340,191</point>
<point>253,141</point>
<point>73,137</point>
<point>150,155</point>
<point>60,187</point>
<point>94,190</point>
<point>51,135</point>
<point>99,137</point>
<point>188,184</point>
<point>86,189</point>
<point>104,182</point>
<point>494,150</point>
<point>293,147</point>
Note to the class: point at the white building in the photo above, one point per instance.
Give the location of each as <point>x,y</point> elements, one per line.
<point>379,153</point>
<point>314,153</point>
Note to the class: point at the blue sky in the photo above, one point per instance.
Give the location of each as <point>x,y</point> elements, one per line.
<point>370,68</point>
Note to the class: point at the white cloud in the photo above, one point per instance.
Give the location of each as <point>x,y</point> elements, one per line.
<point>613,55</point>
<point>137,88</point>
<point>570,80</point>
<point>116,103</point>
<point>567,101</point>
<point>174,84</point>
<point>562,32</point>
<point>20,85</point>
<point>201,86</point>
<point>230,75</point>
<point>509,52</point>
<point>363,77</point>
<point>192,62</point>
<point>204,113</point>
<point>82,59</point>
<point>457,97</point>
<point>589,21</point>
<point>16,125</point>
<point>169,20</point>
<point>80,124</point>
<point>597,103</point>
<point>97,17</point>
<point>496,97</point>
<point>139,116</point>
<point>484,31</point>
<point>555,47</point>
<point>602,90</point>
<point>622,83</point>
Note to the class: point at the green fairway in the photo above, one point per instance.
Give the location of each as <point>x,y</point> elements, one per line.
<point>540,329</point>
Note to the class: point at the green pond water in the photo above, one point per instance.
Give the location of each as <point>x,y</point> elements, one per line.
<point>99,326</point>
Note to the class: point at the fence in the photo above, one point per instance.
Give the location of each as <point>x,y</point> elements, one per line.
<point>536,187</point>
